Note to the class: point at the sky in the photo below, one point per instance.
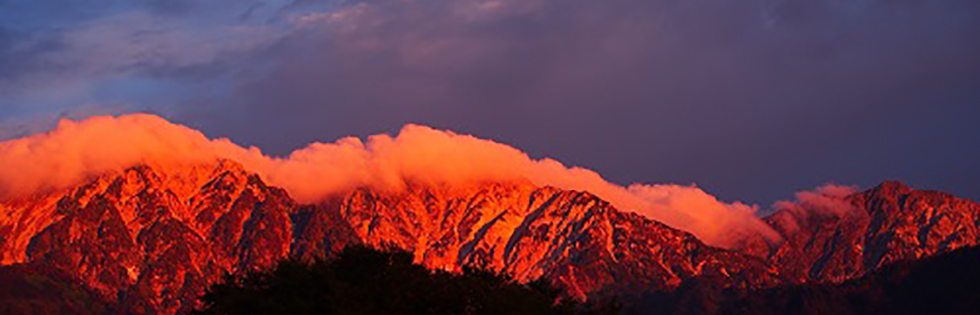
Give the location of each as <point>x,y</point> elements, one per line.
<point>750,100</point>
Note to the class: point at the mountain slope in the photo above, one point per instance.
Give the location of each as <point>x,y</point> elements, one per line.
<point>29,290</point>
<point>888,223</point>
<point>571,238</point>
<point>948,283</point>
<point>151,238</point>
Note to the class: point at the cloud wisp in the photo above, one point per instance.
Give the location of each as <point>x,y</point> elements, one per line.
<point>823,203</point>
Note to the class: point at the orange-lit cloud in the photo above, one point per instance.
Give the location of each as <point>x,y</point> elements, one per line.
<point>826,201</point>
<point>76,149</point>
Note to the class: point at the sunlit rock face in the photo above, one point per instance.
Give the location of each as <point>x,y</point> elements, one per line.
<point>888,223</point>
<point>149,239</point>
<point>573,239</point>
<point>152,239</point>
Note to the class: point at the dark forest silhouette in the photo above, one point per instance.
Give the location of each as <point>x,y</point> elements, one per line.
<point>362,280</point>
<point>367,281</point>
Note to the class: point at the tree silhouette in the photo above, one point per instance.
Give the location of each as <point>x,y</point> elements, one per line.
<point>362,280</point>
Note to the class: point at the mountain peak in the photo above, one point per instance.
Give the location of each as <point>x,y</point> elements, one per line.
<point>151,237</point>
<point>156,235</point>
<point>895,223</point>
<point>891,187</point>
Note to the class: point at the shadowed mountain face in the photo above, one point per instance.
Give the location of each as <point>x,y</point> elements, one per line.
<point>886,224</point>
<point>948,283</point>
<point>152,238</point>
<point>27,289</point>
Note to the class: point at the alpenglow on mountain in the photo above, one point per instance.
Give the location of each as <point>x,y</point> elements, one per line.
<point>150,239</point>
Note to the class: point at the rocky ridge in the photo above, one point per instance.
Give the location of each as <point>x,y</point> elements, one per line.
<point>885,224</point>
<point>151,238</point>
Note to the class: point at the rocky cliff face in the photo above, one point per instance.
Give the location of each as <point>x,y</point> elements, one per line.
<point>28,289</point>
<point>572,238</point>
<point>150,239</point>
<point>888,223</point>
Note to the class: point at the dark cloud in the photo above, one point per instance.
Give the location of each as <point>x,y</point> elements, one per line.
<point>147,54</point>
<point>751,99</point>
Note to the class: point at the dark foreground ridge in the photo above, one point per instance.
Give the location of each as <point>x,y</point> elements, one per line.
<point>944,284</point>
<point>27,289</point>
<point>364,280</point>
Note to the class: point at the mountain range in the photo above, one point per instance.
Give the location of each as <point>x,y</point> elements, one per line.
<point>151,238</point>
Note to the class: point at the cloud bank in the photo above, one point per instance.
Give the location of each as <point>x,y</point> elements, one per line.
<point>745,98</point>
<point>76,149</point>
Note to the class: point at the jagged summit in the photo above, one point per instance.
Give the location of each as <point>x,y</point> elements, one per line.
<point>150,238</point>
<point>891,187</point>
<point>888,223</point>
<point>154,237</point>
